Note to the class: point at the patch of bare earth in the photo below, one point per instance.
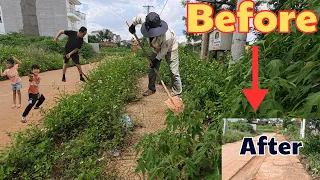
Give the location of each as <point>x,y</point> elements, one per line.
<point>51,86</point>
<point>149,113</point>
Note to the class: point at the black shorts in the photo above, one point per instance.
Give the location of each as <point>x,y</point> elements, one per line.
<point>75,58</point>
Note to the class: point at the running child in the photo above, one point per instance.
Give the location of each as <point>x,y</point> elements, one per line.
<point>34,94</point>
<point>13,75</point>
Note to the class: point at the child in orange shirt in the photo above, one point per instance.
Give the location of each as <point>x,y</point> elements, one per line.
<point>134,46</point>
<point>34,95</point>
<point>13,75</point>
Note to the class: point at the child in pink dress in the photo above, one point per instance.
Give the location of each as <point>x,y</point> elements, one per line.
<point>13,75</point>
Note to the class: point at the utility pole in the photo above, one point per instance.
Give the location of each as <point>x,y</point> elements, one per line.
<point>205,37</point>
<point>238,42</point>
<point>148,8</point>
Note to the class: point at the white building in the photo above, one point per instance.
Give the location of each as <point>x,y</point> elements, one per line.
<point>1,22</point>
<point>51,16</point>
<point>76,19</point>
<point>95,33</point>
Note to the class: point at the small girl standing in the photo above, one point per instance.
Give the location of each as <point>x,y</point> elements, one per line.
<point>13,75</point>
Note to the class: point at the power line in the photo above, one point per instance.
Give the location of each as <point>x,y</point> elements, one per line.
<point>113,10</point>
<point>164,6</point>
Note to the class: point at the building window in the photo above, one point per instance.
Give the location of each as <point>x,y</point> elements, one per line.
<point>0,15</point>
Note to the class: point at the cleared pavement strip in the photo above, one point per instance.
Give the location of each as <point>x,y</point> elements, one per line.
<point>232,162</point>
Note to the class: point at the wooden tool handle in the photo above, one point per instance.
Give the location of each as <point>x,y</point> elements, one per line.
<point>155,70</point>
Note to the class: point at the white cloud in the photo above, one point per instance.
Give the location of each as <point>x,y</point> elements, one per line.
<point>110,14</point>
<point>182,39</point>
<point>113,15</point>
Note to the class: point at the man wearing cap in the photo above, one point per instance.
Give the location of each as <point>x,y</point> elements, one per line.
<point>164,46</point>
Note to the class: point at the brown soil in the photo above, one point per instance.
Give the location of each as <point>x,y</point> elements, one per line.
<point>51,86</point>
<point>149,113</point>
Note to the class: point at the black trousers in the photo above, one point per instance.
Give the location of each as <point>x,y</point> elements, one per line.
<point>33,99</point>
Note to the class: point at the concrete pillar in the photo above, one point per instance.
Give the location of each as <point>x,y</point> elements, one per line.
<point>303,128</point>
<point>225,126</point>
<point>238,42</point>
<point>29,17</point>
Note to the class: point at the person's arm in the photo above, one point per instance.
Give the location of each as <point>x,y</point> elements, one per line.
<point>72,52</point>
<point>39,94</point>
<point>30,78</point>
<point>17,61</point>
<point>58,35</point>
<point>140,19</point>
<point>2,73</point>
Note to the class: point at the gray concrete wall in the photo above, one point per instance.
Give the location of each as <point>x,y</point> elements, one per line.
<point>52,16</point>
<point>12,16</point>
<point>29,17</point>
<point>96,46</point>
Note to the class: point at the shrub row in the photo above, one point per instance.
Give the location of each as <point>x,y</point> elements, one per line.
<point>79,130</point>
<point>241,126</point>
<point>28,55</point>
<point>41,42</point>
<point>233,136</point>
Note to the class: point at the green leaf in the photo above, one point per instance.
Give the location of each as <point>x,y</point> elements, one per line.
<point>305,71</point>
<point>274,68</point>
<point>311,101</point>
<point>313,53</point>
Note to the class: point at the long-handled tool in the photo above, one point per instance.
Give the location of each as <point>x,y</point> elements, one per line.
<point>174,103</point>
<point>81,71</point>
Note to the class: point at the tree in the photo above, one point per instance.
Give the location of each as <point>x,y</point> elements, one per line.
<point>93,39</point>
<point>108,36</point>
<point>190,37</point>
<point>276,5</point>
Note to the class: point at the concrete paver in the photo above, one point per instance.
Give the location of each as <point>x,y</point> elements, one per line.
<point>281,167</point>
<point>232,162</point>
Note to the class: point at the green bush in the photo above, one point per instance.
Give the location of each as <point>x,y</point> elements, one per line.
<point>311,144</point>
<point>241,126</point>
<point>311,149</point>
<point>314,162</point>
<point>46,43</point>
<point>28,56</point>
<point>77,131</point>
<point>233,136</point>
<point>294,131</point>
<point>266,128</point>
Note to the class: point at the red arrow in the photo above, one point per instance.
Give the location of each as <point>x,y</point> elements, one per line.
<point>255,95</point>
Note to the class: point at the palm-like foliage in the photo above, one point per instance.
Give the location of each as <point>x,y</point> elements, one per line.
<point>106,35</point>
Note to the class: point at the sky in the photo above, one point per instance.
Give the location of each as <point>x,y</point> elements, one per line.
<point>110,14</point>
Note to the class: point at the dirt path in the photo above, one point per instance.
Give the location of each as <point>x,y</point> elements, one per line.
<point>51,86</point>
<point>149,112</point>
<point>261,167</point>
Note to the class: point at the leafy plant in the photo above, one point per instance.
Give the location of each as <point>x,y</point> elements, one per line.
<point>233,136</point>
<point>18,39</point>
<point>77,133</point>
<point>241,126</point>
